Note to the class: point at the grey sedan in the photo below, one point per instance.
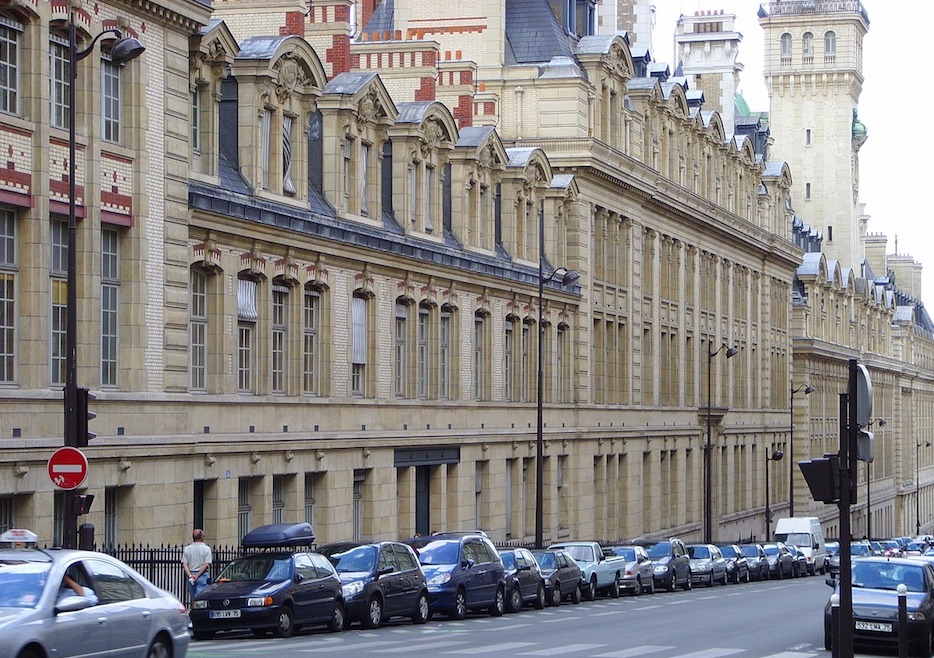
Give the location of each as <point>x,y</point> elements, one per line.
<point>56,602</point>
<point>639,574</point>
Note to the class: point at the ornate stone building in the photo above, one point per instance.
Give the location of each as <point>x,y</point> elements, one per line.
<point>309,273</point>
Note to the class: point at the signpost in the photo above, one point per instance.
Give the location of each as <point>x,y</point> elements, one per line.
<point>68,468</point>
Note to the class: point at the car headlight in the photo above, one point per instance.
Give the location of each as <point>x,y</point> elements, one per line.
<point>199,605</point>
<point>258,601</point>
<point>440,579</point>
<point>352,589</point>
<point>917,615</point>
<point>547,580</point>
<point>661,568</point>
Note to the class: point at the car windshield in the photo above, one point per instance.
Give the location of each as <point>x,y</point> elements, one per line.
<point>581,553</point>
<point>699,552</point>
<point>545,560</point>
<point>21,584</point>
<point>659,550</point>
<point>833,549</point>
<point>354,560</point>
<point>259,568</point>
<point>860,549</point>
<point>886,575</point>
<point>796,538</point>
<point>439,552</point>
<point>729,551</point>
<point>770,549</point>
<point>629,554</point>
<point>750,551</point>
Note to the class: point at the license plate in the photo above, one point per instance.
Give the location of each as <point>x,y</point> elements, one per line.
<point>877,626</point>
<point>225,614</point>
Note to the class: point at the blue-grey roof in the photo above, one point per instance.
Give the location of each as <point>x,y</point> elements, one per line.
<point>561,181</point>
<point>412,111</point>
<point>533,33</point>
<point>561,67</point>
<point>598,44</point>
<point>349,83</point>
<point>810,264</point>
<point>211,24</point>
<point>641,83</point>
<point>474,136</point>
<point>383,19</point>
<point>261,47</point>
<point>773,168</point>
<point>519,157</point>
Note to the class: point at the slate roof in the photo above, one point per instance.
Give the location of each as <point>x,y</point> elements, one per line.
<point>383,19</point>
<point>349,83</point>
<point>533,33</point>
<point>474,136</point>
<point>412,111</point>
<point>260,47</point>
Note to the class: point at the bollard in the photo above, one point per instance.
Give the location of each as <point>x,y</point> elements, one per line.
<point>902,621</point>
<point>835,625</point>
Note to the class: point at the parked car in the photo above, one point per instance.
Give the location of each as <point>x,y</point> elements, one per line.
<point>672,564</point>
<point>707,565</point>
<point>639,576</point>
<point>464,572</point>
<point>781,561</point>
<point>524,580</point>
<point>44,617</point>
<point>757,560</point>
<point>857,549</point>
<point>277,590</point>
<point>601,573</point>
<point>800,561</point>
<point>875,603</point>
<point>737,566</point>
<point>380,580</point>
<point>562,576</point>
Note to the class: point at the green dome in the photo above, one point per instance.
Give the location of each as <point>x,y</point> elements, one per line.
<point>742,107</point>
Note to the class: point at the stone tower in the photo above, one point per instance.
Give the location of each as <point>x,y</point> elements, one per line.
<point>707,46</point>
<point>636,17</point>
<point>813,69</point>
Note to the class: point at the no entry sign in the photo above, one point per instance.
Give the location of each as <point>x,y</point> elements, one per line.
<point>68,468</point>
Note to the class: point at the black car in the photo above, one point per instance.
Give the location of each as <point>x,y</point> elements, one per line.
<point>562,575</point>
<point>801,560</point>
<point>381,579</point>
<point>672,564</point>
<point>276,590</point>
<point>524,580</point>
<point>757,561</point>
<point>875,603</point>
<point>781,561</point>
<point>737,566</point>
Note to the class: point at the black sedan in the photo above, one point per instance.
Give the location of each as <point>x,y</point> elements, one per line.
<point>524,580</point>
<point>781,561</point>
<point>757,561</point>
<point>875,603</point>
<point>381,579</point>
<point>737,566</point>
<point>562,575</point>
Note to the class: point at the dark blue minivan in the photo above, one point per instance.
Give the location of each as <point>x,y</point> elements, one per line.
<point>464,572</point>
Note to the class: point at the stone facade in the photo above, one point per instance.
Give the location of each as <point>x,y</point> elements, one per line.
<point>329,240</point>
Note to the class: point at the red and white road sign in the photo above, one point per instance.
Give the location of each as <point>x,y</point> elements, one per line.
<point>68,468</point>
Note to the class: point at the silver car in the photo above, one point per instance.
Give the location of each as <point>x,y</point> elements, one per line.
<point>56,602</point>
<point>640,570</point>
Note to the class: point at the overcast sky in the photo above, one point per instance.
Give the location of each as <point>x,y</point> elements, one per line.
<point>892,173</point>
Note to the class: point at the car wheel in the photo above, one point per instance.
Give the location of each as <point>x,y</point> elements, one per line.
<point>540,597</point>
<point>590,590</point>
<point>614,588</point>
<point>576,595</point>
<point>515,600</point>
<point>160,648</point>
<point>499,603</point>
<point>672,583</point>
<point>460,605</point>
<point>198,635</point>
<point>374,613</point>
<point>555,595</point>
<point>336,625</point>
<point>285,624</point>
<point>422,612</point>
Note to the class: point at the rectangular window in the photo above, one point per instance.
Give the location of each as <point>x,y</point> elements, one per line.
<point>58,518</point>
<point>560,380</point>
<point>110,100</point>
<point>359,479</point>
<point>311,482</point>
<point>110,516</point>
<point>7,516</point>
<point>429,185</point>
<point>509,350</point>
<point>7,295</point>
<point>280,321</point>
<point>807,191</point>
<point>478,354</point>
<point>424,331</point>
<point>266,145</point>
<point>196,120</point>
<point>10,31</point>
<point>110,286</point>
<point>310,357</point>
<point>246,316</point>
<point>444,356</point>
<point>198,329</point>
<point>399,349</point>
<point>59,310</point>
<point>526,365</point>
<point>59,81</point>
<point>244,508</point>
<point>348,162</point>
<point>364,171</point>
<point>278,498</point>
<point>413,193</point>
<point>358,346</point>
<point>807,137</point>
<point>288,185</point>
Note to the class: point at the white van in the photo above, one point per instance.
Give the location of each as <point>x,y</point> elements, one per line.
<point>805,533</point>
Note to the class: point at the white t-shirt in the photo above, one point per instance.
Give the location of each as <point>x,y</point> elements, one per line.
<point>196,555</point>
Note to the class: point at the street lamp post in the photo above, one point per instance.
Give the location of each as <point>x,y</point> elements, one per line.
<point>708,497</point>
<point>926,444</point>
<point>125,49</point>
<point>775,456</point>
<point>808,389</point>
<point>568,277</point>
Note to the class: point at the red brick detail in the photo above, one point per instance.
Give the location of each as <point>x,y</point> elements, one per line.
<point>463,111</point>
<point>421,33</point>
<point>426,90</point>
<point>355,62</point>
<point>338,55</point>
<point>294,24</point>
<point>466,77</point>
<point>489,108</point>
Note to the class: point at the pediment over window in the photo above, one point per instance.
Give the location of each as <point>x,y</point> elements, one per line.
<point>288,63</point>
<point>361,92</point>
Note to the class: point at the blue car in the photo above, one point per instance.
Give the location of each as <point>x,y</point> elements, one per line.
<point>464,572</point>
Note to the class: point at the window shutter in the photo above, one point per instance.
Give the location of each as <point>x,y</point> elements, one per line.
<point>246,301</point>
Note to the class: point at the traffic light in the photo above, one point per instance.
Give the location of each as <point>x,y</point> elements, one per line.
<point>823,477</point>
<point>84,415</point>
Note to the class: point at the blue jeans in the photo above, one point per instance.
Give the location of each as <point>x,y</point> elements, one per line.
<point>195,588</point>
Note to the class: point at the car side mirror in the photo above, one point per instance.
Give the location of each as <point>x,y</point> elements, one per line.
<point>466,563</point>
<point>72,603</point>
<point>297,578</point>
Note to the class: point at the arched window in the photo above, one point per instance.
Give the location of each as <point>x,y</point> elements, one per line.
<point>830,43</point>
<point>807,46</point>
<point>786,48</point>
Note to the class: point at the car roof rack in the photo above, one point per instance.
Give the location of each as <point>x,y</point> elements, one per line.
<point>280,535</point>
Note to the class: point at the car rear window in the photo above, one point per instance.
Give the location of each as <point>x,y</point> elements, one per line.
<point>440,551</point>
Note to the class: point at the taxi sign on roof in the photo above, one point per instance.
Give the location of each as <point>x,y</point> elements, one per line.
<point>18,536</point>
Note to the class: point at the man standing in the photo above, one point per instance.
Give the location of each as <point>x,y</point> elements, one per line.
<point>196,560</point>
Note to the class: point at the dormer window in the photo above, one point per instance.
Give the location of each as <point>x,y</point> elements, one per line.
<point>429,193</point>
<point>266,145</point>
<point>364,171</point>
<point>288,184</point>
<point>347,171</point>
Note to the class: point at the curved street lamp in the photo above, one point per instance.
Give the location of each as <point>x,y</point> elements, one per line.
<point>708,498</point>
<point>568,278</point>
<point>808,389</point>
<point>125,49</point>
<point>775,456</point>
